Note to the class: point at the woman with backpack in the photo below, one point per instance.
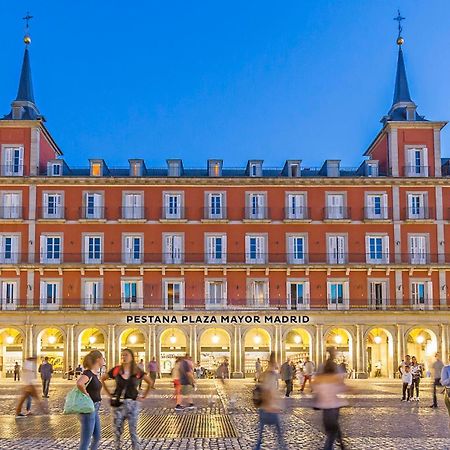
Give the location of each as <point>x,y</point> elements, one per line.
<point>124,399</point>
<point>89,384</point>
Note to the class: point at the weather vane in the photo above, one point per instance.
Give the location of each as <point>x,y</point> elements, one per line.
<point>399,19</point>
<point>27,38</point>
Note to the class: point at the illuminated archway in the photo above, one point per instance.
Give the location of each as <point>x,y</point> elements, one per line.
<point>11,350</point>
<point>50,343</point>
<point>215,348</point>
<point>133,339</point>
<point>90,339</point>
<point>422,343</point>
<point>173,344</point>
<point>258,345</point>
<point>297,344</point>
<point>380,353</point>
<point>340,339</point>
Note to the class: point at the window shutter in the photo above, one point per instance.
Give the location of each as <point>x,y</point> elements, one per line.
<point>43,250</point>
<point>306,293</point>
<point>429,287</point>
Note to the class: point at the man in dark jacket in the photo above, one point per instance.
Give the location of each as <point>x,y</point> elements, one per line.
<point>46,371</point>
<point>287,373</point>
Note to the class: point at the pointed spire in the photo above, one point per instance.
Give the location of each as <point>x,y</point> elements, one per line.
<point>25,92</point>
<point>401,93</point>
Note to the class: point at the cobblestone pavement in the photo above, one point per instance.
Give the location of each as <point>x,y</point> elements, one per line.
<point>225,420</point>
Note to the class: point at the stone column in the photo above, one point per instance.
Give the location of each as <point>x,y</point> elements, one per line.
<point>359,355</point>
<point>111,346</point>
<point>401,347</point>
<point>320,350</point>
<point>73,347</point>
<point>28,347</point>
<point>280,350</point>
<point>237,354</point>
<point>149,344</point>
<point>444,343</point>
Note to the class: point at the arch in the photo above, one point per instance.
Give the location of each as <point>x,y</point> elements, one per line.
<point>422,343</point>
<point>11,349</point>
<point>380,352</point>
<point>173,344</point>
<point>257,345</point>
<point>50,343</point>
<point>92,338</point>
<point>297,344</point>
<point>134,339</point>
<point>341,340</point>
<point>215,347</point>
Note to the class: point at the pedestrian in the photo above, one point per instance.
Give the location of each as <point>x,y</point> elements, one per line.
<point>445,382</point>
<point>141,366</point>
<point>70,373</point>
<point>300,375</point>
<point>407,380</point>
<point>46,371</point>
<point>405,362</point>
<point>417,374</point>
<point>16,372</point>
<point>436,368</point>
<point>308,372</point>
<point>270,403</point>
<point>124,399</point>
<point>89,384</point>
<point>177,384</point>
<point>328,386</point>
<point>287,375</point>
<point>258,369</point>
<point>29,390</point>
<point>378,367</point>
<point>186,377</point>
<point>153,371</point>
<point>78,370</point>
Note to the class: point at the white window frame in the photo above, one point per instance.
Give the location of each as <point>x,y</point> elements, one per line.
<point>172,255</point>
<point>296,205</point>
<point>256,209</point>
<point>44,245</point>
<point>173,211</point>
<point>251,284</point>
<point>261,248</point>
<point>87,298</point>
<point>337,254</point>
<point>422,207</point>
<point>421,256</point>
<point>345,303</point>
<point>335,210</point>
<point>7,208</point>
<point>15,250</point>
<point>139,303</point>
<point>384,248</point>
<point>211,212</point>
<point>128,252</point>
<point>223,300</point>
<point>99,202</point>
<point>411,167</point>
<point>43,294</point>
<point>132,207</point>
<point>428,293</point>
<point>291,253</point>
<point>306,293</point>
<point>210,252</point>
<point>370,206</point>
<point>181,282</point>
<point>384,291</point>
<point>4,282</point>
<point>86,258</point>
<point>8,166</point>
<point>58,206</point>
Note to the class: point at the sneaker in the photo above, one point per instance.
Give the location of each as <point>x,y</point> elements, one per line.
<point>179,408</point>
<point>404,400</point>
<point>191,406</point>
<point>29,413</point>
<point>417,399</point>
<point>20,416</point>
<point>433,406</point>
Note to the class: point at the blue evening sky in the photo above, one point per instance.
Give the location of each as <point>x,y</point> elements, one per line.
<point>236,80</point>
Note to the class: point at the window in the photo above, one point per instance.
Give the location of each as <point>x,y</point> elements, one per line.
<point>11,205</point>
<point>51,249</point>
<point>9,249</point>
<point>9,293</point>
<point>12,162</point>
<point>296,249</point>
<point>53,206</point>
<point>132,296</point>
<point>216,249</point>
<point>132,206</point>
<point>335,206</point>
<point>416,162</point>
<point>378,294</point>
<point>418,249</point>
<point>293,170</point>
<point>253,170</point>
<point>93,206</point>
<point>255,249</point>
<point>298,295</point>
<point>173,249</point>
<point>336,249</point>
<point>50,294</point>
<point>92,249</point>
<point>92,294</point>
<point>377,249</point>
<point>422,294</point>
<point>174,294</point>
<point>295,208</point>
<point>173,206</point>
<point>258,293</point>
<point>376,206</point>
<point>216,293</point>
<point>215,208</point>
<point>96,169</point>
<point>337,295</point>
<point>256,206</point>
<point>416,207</point>
<point>132,249</point>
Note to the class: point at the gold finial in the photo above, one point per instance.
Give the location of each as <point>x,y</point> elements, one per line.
<point>27,38</point>
<point>399,19</point>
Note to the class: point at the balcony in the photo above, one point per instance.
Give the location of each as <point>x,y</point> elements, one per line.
<point>93,213</point>
<point>51,213</point>
<point>11,213</point>
<point>297,213</point>
<point>215,214</point>
<point>257,214</point>
<point>133,213</point>
<point>337,213</point>
<point>418,213</point>
<point>416,171</point>
<point>12,170</point>
<point>173,214</point>
<point>380,213</point>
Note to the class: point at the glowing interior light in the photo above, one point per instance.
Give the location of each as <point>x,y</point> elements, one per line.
<point>297,339</point>
<point>377,339</point>
<point>338,339</point>
<point>9,340</point>
<point>420,339</point>
<point>173,339</point>
<point>133,339</point>
<point>51,339</point>
<point>215,339</point>
<point>257,339</point>
<point>92,339</point>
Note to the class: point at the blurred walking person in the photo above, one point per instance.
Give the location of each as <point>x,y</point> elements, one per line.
<point>89,384</point>
<point>436,367</point>
<point>287,375</point>
<point>124,399</point>
<point>269,403</point>
<point>327,386</point>
<point>186,374</point>
<point>141,366</point>
<point>46,371</point>
<point>258,369</point>
<point>29,390</point>
<point>177,384</point>
<point>153,370</point>
<point>308,372</point>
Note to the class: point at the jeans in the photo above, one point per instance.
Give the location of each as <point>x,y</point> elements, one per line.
<point>289,384</point>
<point>406,390</point>
<point>305,379</point>
<point>332,428</point>
<point>90,429</point>
<point>270,418</point>
<point>16,376</point>
<point>129,410</point>
<point>447,400</point>
<point>45,386</point>
<point>437,382</point>
<point>415,384</point>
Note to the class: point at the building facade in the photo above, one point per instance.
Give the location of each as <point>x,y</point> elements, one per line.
<point>225,263</point>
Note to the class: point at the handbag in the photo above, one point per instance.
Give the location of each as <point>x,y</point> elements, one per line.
<point>78,403</point>
<point>116,401</point>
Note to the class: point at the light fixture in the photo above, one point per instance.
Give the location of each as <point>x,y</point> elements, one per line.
<point>173,339</point>
<point>92,339</point>
<point>215,339</point>
<point>51,339</point>
<point>338,339</point>
<point>257,339</point>
<point>9,340</point>
<point>377,339</point>
<point>297,339</point>
<point>132,339</point>
<point>420,339</point>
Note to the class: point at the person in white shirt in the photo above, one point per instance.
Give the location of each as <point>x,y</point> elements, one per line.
<point>407,384</point>
<point>29,390</point>
<point>308,371</point>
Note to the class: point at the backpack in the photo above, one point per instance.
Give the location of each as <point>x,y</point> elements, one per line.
<point>257,396</point>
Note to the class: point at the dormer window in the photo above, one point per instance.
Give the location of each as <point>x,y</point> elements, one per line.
<point>56,170</point>
<point>372,168</point>
<point>215,167</point>
<point>292,168</point>
<point>136,167</point>
<point>174,167</point>
<point>254,168</point>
